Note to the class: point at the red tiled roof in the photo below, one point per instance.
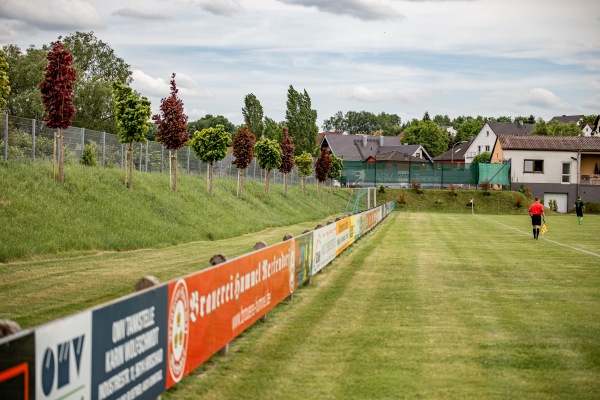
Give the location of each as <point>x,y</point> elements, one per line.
<point>550,143</point>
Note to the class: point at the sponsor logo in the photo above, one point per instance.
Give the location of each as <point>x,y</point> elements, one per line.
<point>179,328</point>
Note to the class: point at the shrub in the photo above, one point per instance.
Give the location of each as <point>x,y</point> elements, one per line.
<point>528,191</point>
<point>452,190</point>
<point>89,156</point>
<point>401,198</point>
<point>518,201</point>
<point>417,187</point>
<point>438,201</point>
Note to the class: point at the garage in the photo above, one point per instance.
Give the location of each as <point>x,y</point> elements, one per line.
<point>561,201</point>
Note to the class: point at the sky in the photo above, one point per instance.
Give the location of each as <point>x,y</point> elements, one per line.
<point>406,57</point>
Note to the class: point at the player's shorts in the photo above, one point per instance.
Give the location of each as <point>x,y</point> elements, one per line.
<point>579,212</point>
<point>536,219</point>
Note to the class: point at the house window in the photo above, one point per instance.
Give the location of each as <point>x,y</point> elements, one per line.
<point>487,148</point>
<point>487,133</point>
<point>533,166</point>
<point>566,173</point>
<point>478,149</point>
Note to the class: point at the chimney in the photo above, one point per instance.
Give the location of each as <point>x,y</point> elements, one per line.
<point>364,140</point>
<point>380,140</point>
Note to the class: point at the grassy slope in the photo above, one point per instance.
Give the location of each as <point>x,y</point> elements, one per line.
<point>93,211</point>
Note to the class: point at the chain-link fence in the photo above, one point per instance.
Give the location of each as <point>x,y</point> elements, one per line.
<point>30,140</point>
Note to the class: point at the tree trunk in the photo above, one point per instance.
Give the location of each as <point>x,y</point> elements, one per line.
<point>54,159</point>
<point>303,186</point>
<point>267,179</point>
<point>210,177</point>
<point>319,184</point>
<point>175,173</point>
<point>61,158</point>
<point>131,165</point>
<point>285,176</point>
<point>125,165</point>
<point>241,176</point>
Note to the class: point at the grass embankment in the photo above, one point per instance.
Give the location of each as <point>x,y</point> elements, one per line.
<point>443,306</point>
<point>93,211</point>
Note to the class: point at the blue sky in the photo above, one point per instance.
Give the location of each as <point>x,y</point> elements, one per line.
<point>448,57</point>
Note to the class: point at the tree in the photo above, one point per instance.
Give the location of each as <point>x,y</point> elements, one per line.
<point>272,129</point>
<point>426,133</point>
<point>25,74</point>
<point>210,121</point>
<point>556,128</point>
<point>253,114</point>
<point>172,125</point>
<point>268,155</point>
<point>322,168</point>
<point>287,158</point>
<point>335,123</point>
<point>305,167</point>
<point>442,120</point>
<point>337,165</point>
<point>468,130</point>
<point>57,94</point>
<point>4,82</point>
<point>132,113</point>
<point>97,67</point>
<point>243,153</point>
<point>301,121</point>
<point>210,145</point>
<point>482,158</point>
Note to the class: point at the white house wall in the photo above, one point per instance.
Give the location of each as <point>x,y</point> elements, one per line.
<point>553,162</point>
<point>485,139</point>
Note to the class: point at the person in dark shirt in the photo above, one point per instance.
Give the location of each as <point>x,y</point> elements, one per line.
<point>579,208</point>
<point>536,212</point>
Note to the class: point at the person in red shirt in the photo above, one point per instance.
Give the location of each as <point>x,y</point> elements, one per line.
<point>536,212</point>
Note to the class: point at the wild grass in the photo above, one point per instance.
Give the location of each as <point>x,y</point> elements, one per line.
<point>430,306</point>
<point>92,211</point>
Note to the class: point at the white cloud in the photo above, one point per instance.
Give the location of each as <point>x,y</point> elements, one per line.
<point>132,13</point>
<point>221,7</point>
<point>149,86</point>
<point>382,95</point>
<point>52,14</point>
<point>361,9</point>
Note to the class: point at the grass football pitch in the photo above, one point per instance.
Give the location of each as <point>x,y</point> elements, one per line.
<point>427,306</point>
<point>431,306</point>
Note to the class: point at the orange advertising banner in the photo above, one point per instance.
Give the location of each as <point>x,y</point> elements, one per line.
<point>207,310</point>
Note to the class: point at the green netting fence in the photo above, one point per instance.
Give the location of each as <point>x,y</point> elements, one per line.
<point>428,174</point>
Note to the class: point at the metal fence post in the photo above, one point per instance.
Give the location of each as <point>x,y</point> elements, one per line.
<point>146,156</point>
<point>6,137</point>
<point>103,148</point>
<point>188,159</point>
<point>162,156</point>
<point>33,140</point>
<point>140,163</point>
<point>82,141</point>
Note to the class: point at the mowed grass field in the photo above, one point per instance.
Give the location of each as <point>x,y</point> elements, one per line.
<point>430,306</point>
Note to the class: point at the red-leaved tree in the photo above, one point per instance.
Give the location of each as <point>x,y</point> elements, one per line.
<point>322,167</point>
<point>57,94</point>
<point>172,125</point>
<point>243,151</point>
<point>287,157</point>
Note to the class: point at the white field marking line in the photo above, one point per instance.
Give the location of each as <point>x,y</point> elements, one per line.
<point>548,240</point>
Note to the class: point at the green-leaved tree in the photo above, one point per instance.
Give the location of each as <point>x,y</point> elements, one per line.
<point>305,167</point>
<point>210,145</point>
<point>253,114</point>
<point>301,121</point>
<point>4,82</point>
<point>429,135</point>
<point>268,155</point>
<point>337,164</point>
<point>132,114</point>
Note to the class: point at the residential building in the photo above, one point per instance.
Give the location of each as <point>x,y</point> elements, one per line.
<point>486,138</point>
<point>553,167</point>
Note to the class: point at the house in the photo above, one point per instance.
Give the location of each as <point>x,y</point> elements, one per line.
<point>567,119</point>
<point>364,154</point>
<point>456,154</point>
<point>554,167</point>
<point>486,138</point>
